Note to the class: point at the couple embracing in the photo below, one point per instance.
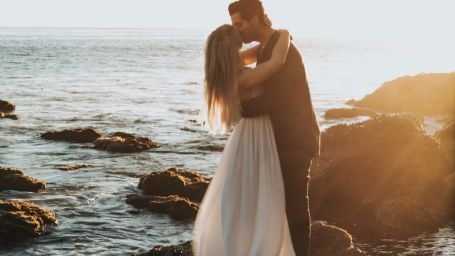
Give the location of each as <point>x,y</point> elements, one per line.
<point>257,203</point>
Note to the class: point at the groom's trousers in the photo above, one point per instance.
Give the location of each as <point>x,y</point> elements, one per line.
<point>295,167</point>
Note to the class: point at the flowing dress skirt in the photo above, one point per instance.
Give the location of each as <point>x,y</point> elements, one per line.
<point>243,212</point>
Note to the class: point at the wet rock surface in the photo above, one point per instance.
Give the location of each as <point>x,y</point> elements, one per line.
<point>179,208</point>
<point>173,181</point>
<point>122,142</point>
<point>71,167</point>
<point>9,116</point>
<point>6,107</point>
<point>78,135</point>
<point>5,110</point>
<point>22,220</point>
<point>12,179</point>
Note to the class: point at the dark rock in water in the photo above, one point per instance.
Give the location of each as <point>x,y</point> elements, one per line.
<point>446,138</point>
<point>368,167</point>
<point>122,142</point>
<point>325,240</point>
<point>74,167</point>
<point>177,207</point>
<point>6,107</point>
<point>9,116</point>
<point>173,191</point>
<point>11,179</point>
<point>173,181</point>
<point>427,94</point>
<point>172,250</point>
<point>79,135</point>
<point>337,113</point>
<point>212,148</point>
<point>20,220</point>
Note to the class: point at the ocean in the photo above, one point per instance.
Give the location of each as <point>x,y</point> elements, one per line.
<point>149,82</point>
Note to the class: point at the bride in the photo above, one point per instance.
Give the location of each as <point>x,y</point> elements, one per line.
<point>243,212</point>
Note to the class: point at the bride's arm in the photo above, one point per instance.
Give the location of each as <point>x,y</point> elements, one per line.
<point>249,55</point>
<point>251,77</point>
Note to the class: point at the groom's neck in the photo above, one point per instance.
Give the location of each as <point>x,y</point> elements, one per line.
<point>264,35</point>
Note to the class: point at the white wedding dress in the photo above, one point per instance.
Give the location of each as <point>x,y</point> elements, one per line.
<point>243,212</point>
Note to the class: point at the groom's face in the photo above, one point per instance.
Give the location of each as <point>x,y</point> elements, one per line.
<point>244,27</point>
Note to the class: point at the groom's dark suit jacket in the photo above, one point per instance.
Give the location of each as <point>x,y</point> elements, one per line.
<point>287,100</point>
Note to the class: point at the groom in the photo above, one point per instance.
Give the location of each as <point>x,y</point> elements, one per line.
<point>287,101</point>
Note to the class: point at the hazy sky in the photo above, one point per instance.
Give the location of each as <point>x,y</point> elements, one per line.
<point>337,18</point>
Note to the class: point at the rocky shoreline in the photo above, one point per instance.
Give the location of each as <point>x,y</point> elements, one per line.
<point>381,178</point>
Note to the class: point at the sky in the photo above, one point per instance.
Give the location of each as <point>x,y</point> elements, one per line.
<point>425,19</point>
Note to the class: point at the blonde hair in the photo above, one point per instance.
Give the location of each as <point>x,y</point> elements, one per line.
<point>222,66</point>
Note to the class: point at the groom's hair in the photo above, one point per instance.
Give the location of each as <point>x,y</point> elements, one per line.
<point>248,9</point>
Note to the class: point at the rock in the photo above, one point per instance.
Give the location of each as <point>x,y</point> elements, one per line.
<point>427,94</point>
<point>173,181</point>
<point>74,167</point>
<point>211,148</point>
<point>121,142</point>
<point>6,107</point>
<point>368,166</point>
<point>331,240</point>
<point>172,250</point>
<point>21,220</point>
<point>337,113</point>
<point>325,240</point>
<point>394,214</point>
<point>173,191</point>
<point>79,135</point>
<point>9,116</point>
<point>177,207</point>
<point>446,138</point>
<point>12,179</point>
